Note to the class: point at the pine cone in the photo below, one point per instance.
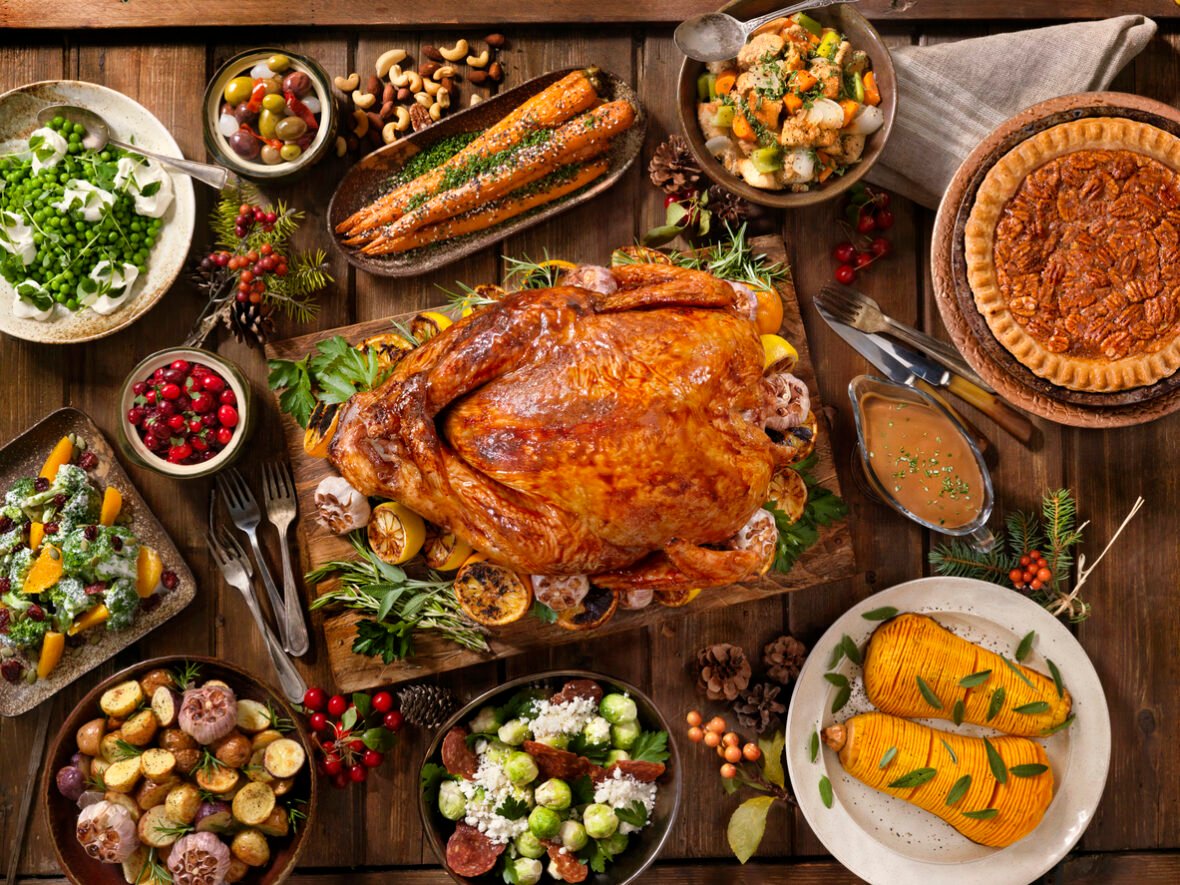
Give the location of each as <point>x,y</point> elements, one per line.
<point>759,708</point>
<point>251,322</point>
<point>783,658</point>
<point>673,167</point>
<point>724,671</point>
<point>427,706</point>
<point>727,206</point>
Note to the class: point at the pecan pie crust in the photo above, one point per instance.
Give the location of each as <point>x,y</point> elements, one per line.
<point>1073,253</point>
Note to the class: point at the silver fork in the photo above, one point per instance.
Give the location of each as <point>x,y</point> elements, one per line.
<point>278,494</point>
<point>243,510</point>
<point>235,568</point>
<point>861,312</point>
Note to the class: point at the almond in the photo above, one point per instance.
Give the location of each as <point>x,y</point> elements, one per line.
<point>373,85</point>
<point>427,68</point>
<point>496,72</point>
<point>388,93</point>
<point>496,41</point>
<point>404,94</point>
<point>477,77</point>
<point>432,52</point>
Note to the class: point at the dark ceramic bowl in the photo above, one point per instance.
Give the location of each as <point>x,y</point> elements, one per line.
<point>62,814</point>
<point>640,854</point>
<point>862,35</point>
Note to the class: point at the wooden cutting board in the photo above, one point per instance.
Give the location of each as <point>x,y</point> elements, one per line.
<point>830,559</point>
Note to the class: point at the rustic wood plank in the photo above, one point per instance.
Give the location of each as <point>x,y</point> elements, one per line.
<point>245,13</point>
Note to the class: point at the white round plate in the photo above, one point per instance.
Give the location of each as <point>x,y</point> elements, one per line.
<point>886,840</point>
<point>127,120</point>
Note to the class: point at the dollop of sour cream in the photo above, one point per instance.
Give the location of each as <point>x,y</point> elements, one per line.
<point>17,237</point>
<point>91,201</point>
<point>148,183</point>
<point>47,148</point>
<point>24,306</point>
<point>110,287</point>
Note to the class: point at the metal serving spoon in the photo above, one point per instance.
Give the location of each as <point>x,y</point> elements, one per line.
<point>98,136</point>
<point>716,36</point>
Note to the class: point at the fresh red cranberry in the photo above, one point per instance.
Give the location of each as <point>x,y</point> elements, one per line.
<point>198,444</point>
<point>176,422</point>
<point>96,588</point>
<point>224,435</point>
<point>151,441</point>
<point>228,416</point>
<point>139,388</point>
<point>150,396</point>
<point>40,484</point>
<point>227,398</point>
<point>203,402</point>
<point>135,415</point>
<point>178,453</point>
<point>35,613</point>
<point>862,260</point>
<point>170,391</point>
<point>180,365</point>
<point>169,579</point>
<point>166,408</point>
<point>12,670</point>
<point>90,533</point>
<point>195,425</point>
<point>209,420</point>
<point>844,253</point>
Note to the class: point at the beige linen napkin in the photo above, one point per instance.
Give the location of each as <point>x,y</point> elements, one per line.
<point>952,95</point>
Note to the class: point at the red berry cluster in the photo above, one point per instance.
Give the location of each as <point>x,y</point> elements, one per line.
<point>249,215</point>
<point>728,744</point>
<point>866,212</point>
<point>352,735</point>
<point>1032,574</point>
<point>251,267</point>
<point>184,412</point>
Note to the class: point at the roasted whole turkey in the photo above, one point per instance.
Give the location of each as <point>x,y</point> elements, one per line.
<point>614,426</point>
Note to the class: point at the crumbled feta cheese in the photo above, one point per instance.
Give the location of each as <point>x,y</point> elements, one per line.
<point>568,717</point>
<point>484,794</point>
<point>620,790</point>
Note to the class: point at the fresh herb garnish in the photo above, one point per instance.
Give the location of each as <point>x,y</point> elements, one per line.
<point>957,712</point>
<point>825,791</point>
<point>884,613</point>
<point>996,762</point>
<point>813,746</point>
<point>650,746</point>
<point>954,757</point>
<point>124,750</point>
<point>887,757</point>
<point>1026,645</point>
<point>996,704</point>
<point>1056,674</point>
<point>1033,709</point>
<point>634,813</point>
<point>823,508</point>
<point>958,790</point>
<point>928,693</point>
<point>1015,669</point>
<point>1060,726</point>
<point>1029,769</point>
<point>975,679</point>
<point>543,613</point>
<point>850,650</point>
<point>914,778</point>
<point>842,697</point>
<point>512,808</point>
<point>332,374</point>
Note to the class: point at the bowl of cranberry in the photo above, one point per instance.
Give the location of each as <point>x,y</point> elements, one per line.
<point>185,413</point>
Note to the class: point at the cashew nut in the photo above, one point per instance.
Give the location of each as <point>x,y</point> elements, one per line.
<point>435,111</point>
<point>478,61</point>
<point>388,59</point>
<point>361,129</point>
<point>363,100</point>
<point>341,146</point>
<point>431,87</point>
<point>402,123</point>
<point>443,99</point>
<point>409,79</point>
<point>456,52</point>
<point>389,132</point>
<point>476,98</point>
<point>424,98</point>
<point>444,71</point>
<point>349,83</point>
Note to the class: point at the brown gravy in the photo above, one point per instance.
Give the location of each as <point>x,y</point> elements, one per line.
<point>922,460</point>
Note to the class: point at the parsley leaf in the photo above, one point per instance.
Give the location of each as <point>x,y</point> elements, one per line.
<point>650,746</point>
<point>429,779</point>
<point>512,808</point>
<point>823,508</point>
<point>583,790</point>
<point>543,613</point>
<point>634,813</point>
<point>393,642</point>
<point>332,374</point>
<point>596,753</point>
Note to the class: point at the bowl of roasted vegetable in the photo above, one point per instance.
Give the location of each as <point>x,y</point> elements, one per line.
<point>181,770</point>
<point>800,114</point>
<point>568,776</point>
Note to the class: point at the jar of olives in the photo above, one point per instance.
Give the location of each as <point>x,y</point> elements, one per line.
<point>269,114</point>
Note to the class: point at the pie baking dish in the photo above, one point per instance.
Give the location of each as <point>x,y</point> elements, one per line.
<point>1072,249</point>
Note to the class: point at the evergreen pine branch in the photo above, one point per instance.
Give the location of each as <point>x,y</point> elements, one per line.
<point>1059,513</point>
<point>295,293</point>
<point>957,559</point>
<point>1024,532</point>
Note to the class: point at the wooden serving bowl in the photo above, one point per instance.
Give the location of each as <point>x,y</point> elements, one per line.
<point>862,35</point>
<point>61,814</point>
<point>629,865</point>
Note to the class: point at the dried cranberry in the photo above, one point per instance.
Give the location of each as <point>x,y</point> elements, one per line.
<point>5,586</point>
<point>116,543</point>
<point>5,524</point>
<point>169,580</point>
<point>59,501</point>
<point>90,532</point>
<point>36,613</point>
<point>40,484</point>
<point>5,617</point>
<point>51,528</point>
<point>88,461</point>
<point>95,588</point>
<point>11,670</point>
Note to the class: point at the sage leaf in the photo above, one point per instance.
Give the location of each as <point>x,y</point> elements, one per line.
<point>954,757</point>
<point>996,704</point>
<point>837,656</point>
<point>1018,672</point>
<point>975,679</point>
<point>837,679</point>
<point>996,762</point>
<point>958,712</point>
<point>1030,769</point>
<point>958,789</point>
<point>1060,726</point>
<point>982,814</point>
<point>842,697</point>
<point>1026,645</point>
<point>813,750</point>
<point>884,613</point>
<point>928,693</point>
<point>825,791</point>
<point>914,778</point>
<point>747,825</point>
<point>1033,709</point>
<point>850,650</point>
<point>1056,674</point>
<point>887,757</point>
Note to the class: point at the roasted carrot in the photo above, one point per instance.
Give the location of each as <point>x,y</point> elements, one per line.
<point>803,81</point>
<point>872,92</point>
<point>510,206</point>
<point>792,102</point>
<point>725,81</point>
<point>850,108</point>
<point>742,128</point>
<point>586,135</point>
<point>550,107</point>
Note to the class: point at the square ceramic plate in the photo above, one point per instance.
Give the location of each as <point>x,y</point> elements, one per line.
<point>23,456</point>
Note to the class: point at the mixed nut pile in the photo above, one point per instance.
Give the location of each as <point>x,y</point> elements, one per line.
<point>400,98</point>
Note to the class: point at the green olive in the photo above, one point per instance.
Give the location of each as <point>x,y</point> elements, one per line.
<point>290,128</point>
<point>274,85</point>
<point>275,103</point>
<point>238,90</point>
<point>271,156</point>
<point>278,63</point>
<point>267,121</point>
<point>291,152</point>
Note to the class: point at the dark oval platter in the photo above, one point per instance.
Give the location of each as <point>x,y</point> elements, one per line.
<point>366,181</point>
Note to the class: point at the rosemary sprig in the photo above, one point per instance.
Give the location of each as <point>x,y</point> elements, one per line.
<point>277,720</point>
<point>209,763</point>
<point>124,750</point>
<point>153,872</point>
<point>295,815</point>
<point>524,273</point>
<point>186,675</point>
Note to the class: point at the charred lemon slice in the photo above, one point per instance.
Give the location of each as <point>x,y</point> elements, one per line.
<point>321,427</point>
<point>491,594</point>
<point>428,324</point>
<point>396,533</point>
<point>638,255</point>
<point>444,551</point>
<point>390,347</point>
<point>769,313</point>
<point>677,597</point>
<point>780,354</point>
<point>596,608</point>
<point>801,440</point>
<point>788,493</point>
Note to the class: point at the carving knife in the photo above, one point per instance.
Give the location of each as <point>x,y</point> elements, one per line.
<point>907,366</point>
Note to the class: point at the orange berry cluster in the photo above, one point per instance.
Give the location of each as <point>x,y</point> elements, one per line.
<point>1033,573</point>
<point>728,744</point>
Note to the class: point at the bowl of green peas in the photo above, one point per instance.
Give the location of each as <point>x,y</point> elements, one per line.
<point>90,240</point>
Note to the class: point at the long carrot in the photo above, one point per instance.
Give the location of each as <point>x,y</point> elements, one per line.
<point>586,135</point>
<point>550,107</point>
<point>516,203</point>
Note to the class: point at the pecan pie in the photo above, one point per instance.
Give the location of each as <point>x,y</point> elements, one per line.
<point>1073,253</point>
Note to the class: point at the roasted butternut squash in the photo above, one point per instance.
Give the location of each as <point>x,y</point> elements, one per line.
<point>915,667</point>
<point>36,534</point>
<point>954,778</point>
<point>97,615</point>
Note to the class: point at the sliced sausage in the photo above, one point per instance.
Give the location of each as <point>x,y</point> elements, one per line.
<point>470,852</point>
<point>568,866</point>
<point>646,772</point>
<point>456,755</point>
<point>578,688</point>
<point>554,762</point>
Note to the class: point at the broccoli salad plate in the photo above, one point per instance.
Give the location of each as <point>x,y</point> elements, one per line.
<point>564,778</point>
<point>85,569</point>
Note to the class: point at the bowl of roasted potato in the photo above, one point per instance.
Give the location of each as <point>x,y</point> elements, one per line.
<point>180,770</point>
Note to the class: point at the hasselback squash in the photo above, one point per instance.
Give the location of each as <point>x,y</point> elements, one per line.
<point>878,749</point>
<point>915,667</point>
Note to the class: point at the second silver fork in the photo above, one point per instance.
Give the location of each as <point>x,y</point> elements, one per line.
<point>278,494</point>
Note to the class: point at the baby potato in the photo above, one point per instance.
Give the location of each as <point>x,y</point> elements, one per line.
<point>125,801</point>
<point>98,768</point>
<point>140,728</point>
<point>156,829</point>
<point>284,758</point>
<point>108,747</point>
<point>121,700</point>
<point>233,749</point>
<point>252,716</point>
<point>174,739</point>
<point>152,793</point>
<point>187,760</point>
<point>251,848</point>
<point>237,871</point>
<point>182,802</point>
<point>256,770</point>
<point>283,786</point>
<point>217,779</point>
<point>153,679</point>
<point>89,736</point>
<point>123,775</point>
<point>276,824</point>
<point>157,764</point>
<point>253,804</point>
<point>265,738</point>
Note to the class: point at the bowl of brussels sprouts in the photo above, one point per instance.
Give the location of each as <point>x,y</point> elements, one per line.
<point>566,775</point>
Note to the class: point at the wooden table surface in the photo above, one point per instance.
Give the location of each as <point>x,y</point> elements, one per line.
<point>1131,637</point>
